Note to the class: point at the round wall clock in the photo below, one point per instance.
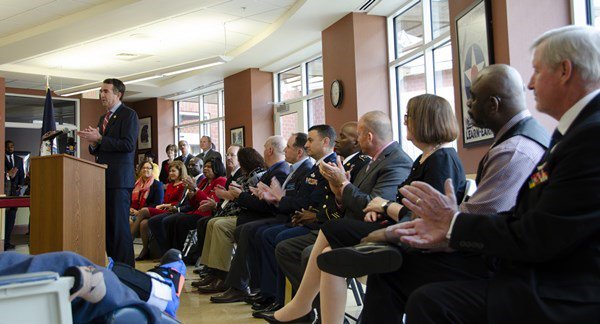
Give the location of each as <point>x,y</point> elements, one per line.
<point>337,93</point>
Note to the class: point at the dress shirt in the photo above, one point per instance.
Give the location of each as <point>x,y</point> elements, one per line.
<point>293,169</point>
<point>348,158</point>
<point>506,167</point>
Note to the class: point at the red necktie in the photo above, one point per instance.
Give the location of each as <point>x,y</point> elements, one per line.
<point>105,122</point>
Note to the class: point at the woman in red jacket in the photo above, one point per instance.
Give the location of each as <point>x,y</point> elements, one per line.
<point>179,225</point>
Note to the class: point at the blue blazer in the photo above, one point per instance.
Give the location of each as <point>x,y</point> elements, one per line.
<point>156,194</point>
<point>117,149</point>
<point>19,178</point>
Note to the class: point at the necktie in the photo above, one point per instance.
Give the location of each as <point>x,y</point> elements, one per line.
<point>105,122</point>
<point>556,137</point>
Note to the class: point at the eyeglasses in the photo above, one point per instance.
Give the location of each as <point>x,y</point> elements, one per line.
<point>406,117</point>
<point>146,168</point>
<point>231,155</point>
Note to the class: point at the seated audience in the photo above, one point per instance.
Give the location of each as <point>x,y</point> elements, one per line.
<point>173,195</point>
<point>546,249</point>
<point>519,143</point>
<point>431,126</point>
<point>164,167</point>
<point>147,192</point>
<point>150,157</point>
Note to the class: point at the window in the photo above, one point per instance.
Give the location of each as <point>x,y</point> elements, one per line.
<point>585,12</point>
<point>300,93</point>
<point>420,58</point>
<point>201,116</point>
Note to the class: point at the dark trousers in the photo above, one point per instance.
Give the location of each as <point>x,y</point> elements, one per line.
<point>179,228</point>
<point>201,225</point>
<point>11,216</point>
<point>269,239</point>
<point>239,272</point>
<point>158,226</point>
<point>388,293</point>
<point>119,243</point>
<point>291,253</point>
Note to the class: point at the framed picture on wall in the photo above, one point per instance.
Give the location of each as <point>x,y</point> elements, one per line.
<point>237,136</point>
<point>474,39</point>
<point>145,135</point>
<point>140,157</point>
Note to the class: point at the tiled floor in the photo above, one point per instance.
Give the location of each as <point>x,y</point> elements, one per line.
<point>197,308</point>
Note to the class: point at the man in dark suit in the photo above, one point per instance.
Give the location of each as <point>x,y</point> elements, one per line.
<point>185,156</point>
<point>113,143</point>
<point>547,248</point>
<point>14,177</point>
<point>208,150</point>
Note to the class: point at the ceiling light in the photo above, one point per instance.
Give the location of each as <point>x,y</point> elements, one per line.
<point>149,75</point>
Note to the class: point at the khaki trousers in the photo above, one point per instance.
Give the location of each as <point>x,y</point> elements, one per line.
<point>218,243</point>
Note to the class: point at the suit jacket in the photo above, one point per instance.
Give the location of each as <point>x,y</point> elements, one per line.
<point>253,207</point>
<point>549,244</point>
<point>156,194</point>
<point>379,179</point>
<point>185,159</point>
<point>210,154</point>
<point>310,190</point>
<point>117,149</point>
<point>19,178</point>
<point>355,164</point>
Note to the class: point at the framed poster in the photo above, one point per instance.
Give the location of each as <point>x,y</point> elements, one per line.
<point>237,136</point>
<point>145,135</point>
<point>474,35</point>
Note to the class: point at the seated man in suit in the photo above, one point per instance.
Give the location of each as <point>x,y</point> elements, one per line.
<point>547,248</point>
<point>218,242</point>
<point>520,141</point>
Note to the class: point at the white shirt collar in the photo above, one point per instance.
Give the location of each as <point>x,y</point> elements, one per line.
<point>323,158</point>
<point>114,108</point>
<point>349,157</point>
<point>567,118</point>
<point>296,165</point>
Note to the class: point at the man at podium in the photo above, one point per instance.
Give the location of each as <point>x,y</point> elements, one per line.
<point>113,143</point>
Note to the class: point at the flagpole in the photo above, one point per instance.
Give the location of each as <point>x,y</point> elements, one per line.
<point>47,82</point>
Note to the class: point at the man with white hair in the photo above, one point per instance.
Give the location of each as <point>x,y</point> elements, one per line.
<point>548,246</point>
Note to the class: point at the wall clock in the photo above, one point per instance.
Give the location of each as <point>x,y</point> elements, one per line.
<point>337,93</point>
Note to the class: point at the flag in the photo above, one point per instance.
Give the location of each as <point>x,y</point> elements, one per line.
<point>48,124</point>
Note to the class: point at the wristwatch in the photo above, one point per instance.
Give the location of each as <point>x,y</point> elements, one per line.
<point>385,206</point>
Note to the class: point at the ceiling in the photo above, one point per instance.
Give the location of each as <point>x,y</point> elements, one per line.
<point>76,42</point>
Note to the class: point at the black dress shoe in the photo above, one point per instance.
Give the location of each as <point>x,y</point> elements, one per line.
<point>274,306</point>
<point>9,246</point>
<point>263,303</point>
<point>308,318</point>
<point>203,281</point>
<point>359,260</point>
<point>231,295</point>
<point>200,269</point>
<point>216,286</point>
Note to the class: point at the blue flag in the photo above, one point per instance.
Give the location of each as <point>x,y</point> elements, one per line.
<point>48,123</point>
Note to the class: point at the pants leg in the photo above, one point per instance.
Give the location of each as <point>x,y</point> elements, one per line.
<point>119,243</point>
<point>11,216</point>
<point>269,268</point>
<point>221,246</point>
<point>201,226</point>
<point>289,255</point>
<point>157,227</point>
<point>183,225</point>
<point>254,257</point>
<point>204,257</point>
<point>448,302</point>
<point>117,294</point>
<point>387,293</point>
<point>169,227</point>
<point>239,272</point>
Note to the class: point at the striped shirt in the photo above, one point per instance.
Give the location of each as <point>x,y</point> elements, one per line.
<point>506,168</point>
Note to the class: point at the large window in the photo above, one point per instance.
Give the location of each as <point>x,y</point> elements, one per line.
<point>585,12</point>
<point>299,92</point>
<point>201,116</point>
<point>420,58</point>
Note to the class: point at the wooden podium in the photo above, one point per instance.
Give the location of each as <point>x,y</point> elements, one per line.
<point>67,206</point>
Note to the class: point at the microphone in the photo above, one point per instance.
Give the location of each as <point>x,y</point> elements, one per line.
<point>52,134</point>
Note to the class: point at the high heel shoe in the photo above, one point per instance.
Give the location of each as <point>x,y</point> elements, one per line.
<point>311,317</point>
<point>144,255</point>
